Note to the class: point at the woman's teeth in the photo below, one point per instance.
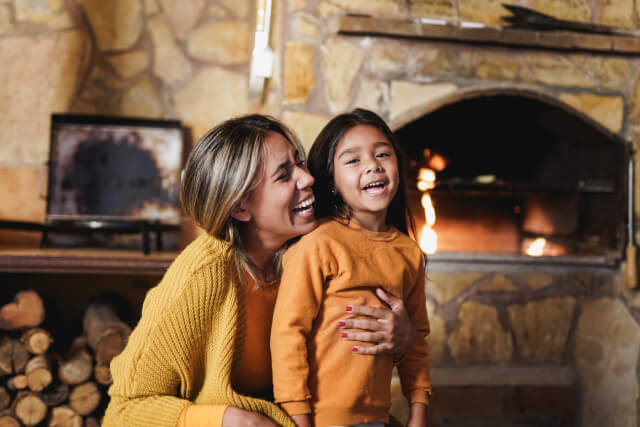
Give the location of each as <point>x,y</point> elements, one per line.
<point>305,206</point>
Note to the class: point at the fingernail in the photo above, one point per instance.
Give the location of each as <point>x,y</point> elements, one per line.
<point>343,335</point>
<point>341,323</point>
<point>354,349</point>
<point>349,308</point>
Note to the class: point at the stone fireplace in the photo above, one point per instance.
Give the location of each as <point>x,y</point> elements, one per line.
<point>516,143</point>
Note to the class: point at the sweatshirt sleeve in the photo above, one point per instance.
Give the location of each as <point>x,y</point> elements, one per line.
<point>298,302</point>
<point>202,416</point>
<point>154,369</point>
<point>414,368</point>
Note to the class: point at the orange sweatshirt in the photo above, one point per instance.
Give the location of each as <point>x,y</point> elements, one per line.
<point>314,370</point>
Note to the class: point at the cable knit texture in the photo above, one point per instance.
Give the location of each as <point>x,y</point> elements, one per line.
<point>184,346</point>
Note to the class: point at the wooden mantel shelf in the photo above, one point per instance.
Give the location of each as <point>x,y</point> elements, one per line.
<point>84,261</point>
<point>421,29</point>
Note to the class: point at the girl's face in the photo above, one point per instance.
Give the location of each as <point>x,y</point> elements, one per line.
<point>365,174</point>
<point>281,205</point>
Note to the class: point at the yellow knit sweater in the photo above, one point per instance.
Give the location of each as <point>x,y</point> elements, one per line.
<point>182,350</point>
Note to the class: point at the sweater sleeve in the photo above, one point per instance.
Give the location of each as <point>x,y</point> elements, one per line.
<point>297,305</point>
<point>202,416</point>
<point>155,370</point>
<point>414,368</point>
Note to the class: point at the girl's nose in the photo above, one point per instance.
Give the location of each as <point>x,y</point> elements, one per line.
<point>373,166</point>
<point>304,179</point>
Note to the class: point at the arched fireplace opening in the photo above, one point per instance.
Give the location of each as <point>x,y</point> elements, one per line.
<point>516,175</point>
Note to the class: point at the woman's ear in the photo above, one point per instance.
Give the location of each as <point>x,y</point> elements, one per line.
<point>240,212</point>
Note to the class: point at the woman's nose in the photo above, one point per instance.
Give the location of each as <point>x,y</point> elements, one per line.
<point>304,178</point>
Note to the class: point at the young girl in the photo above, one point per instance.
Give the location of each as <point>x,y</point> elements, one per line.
<point>361,244</point>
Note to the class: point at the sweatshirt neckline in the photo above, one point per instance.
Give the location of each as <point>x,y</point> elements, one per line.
<point>382,236</point>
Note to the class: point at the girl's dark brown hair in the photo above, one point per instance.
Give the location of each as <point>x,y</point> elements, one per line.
<point>328,202</point>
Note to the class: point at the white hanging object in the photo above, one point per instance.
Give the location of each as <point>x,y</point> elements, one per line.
<point>262,55</point>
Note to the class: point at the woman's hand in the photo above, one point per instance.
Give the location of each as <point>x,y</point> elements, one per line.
<point>390,329</point>
<point>236,417</point>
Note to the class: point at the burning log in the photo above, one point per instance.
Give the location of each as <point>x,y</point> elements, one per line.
<point>64,416</point>
<point>38,372</point>
<point>13,357</point>
<point>106,333</point>
<point>85,398</point>
<point>36,340</point>
<point>29,408</point>
<point>19,382</point>
<point>26,311</point>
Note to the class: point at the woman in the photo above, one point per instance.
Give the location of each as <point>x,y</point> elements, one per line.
<point>200,353</point>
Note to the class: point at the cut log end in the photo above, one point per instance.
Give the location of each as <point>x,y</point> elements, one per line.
<point>85,398</point>
<point>26,311</point>
<point>29,408</point>
<point>64,416</point>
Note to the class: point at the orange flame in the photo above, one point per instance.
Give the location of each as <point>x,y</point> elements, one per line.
<point>536,248</point>
<point>428,238</point>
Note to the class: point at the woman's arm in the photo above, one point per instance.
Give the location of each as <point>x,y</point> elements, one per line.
<point>390,329</point>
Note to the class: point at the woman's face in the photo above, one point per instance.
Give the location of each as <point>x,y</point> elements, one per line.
<point>281,205</point>
<point>365,173</point>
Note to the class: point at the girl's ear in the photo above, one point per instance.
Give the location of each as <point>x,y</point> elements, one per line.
<point>240,212</point>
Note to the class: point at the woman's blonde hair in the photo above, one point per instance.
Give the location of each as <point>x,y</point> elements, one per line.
<point>222,170</point>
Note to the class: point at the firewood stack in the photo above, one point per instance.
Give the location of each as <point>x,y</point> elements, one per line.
<point>41,387</point>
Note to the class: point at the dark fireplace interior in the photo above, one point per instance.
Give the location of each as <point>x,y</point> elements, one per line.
<point>513,174</point>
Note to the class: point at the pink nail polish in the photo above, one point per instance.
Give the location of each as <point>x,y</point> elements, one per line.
<point>343,335</point>
<point>341,323</point>
<point>354,349</point>
<point>349,308</point>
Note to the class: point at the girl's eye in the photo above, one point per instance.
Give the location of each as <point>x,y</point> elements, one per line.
<point>383,154</point>
<point>351,161</point>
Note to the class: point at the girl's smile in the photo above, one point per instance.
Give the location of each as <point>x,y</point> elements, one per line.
<point>365,174</point>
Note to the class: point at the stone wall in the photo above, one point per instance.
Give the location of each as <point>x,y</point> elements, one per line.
<point>188,60</point>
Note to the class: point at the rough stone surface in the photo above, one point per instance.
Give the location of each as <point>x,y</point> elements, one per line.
<point>306,27</point>
<point>299,78</point>
<point>373,95</point>
<point>611,72</point>
<point>240,8</point>
<point>213,95</point>
<point>141,100</point>
<point>151,7</point>
<point>635,98</point>
<point>183,14</point>
<point>573,10</point>
<point>130,64</point>
<point>541,328</point>
<point>29,96</point>
<point>372,7</point>
<point>406,96</point>
<point>618,13</point>
<point>606,355</point>
<point>297,5</point>
<point>607,110</point>
<point>305,125</point>
<point>444,287</point>
<point>433,8</point>
<point>169,64</point>
<point>499,283</point>
<point>444,62</point>
<point>437,338</point>
<point>486,11</point>
<point>20,195</point>
<point>223,42</point>
<point>6,25</point>
<point>479,335</point>
<point>217,12</point>
<point>389,58</point>
<point>117,24</point>
<point>555,70</point>
<point>51,13</point>
<point>537,281</point>
<point>497,67</point>
<point>341,62</point>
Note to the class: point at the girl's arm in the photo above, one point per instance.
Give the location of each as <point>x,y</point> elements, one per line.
<point>418,416</point>
<point>299,297</point>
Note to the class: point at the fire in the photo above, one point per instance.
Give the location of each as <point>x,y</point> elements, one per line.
<point>428,239</point>
<point>536,248</point>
